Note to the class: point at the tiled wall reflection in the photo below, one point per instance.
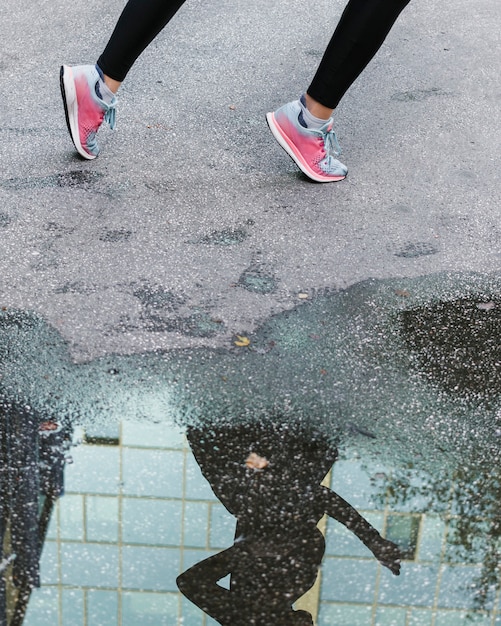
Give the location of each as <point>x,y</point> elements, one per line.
<point>134,516</point>
<point>137,513</point>
<point>357,591</point>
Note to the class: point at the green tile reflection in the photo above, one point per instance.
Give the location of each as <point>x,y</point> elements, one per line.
<point>432,538</point>
<point>101,519</point>
<point>71,517</point>
<point>455,618</point>
<point>404,531</point>
<point>155,473</point>
<point>456,586</point>
<point>342,542</point>
<point>73,606</point>
<point>415,586</point>
<point>196,524</point>
<point>149,609</point>
<point>144,435</point>
<point>96,469</point>
<point>89,565</point>
<point>222,527</point>
<point>197,487</point>
<point>353,482</point>
<point>43,608</point>
<point>49,563</point>
<point>53,523</point>
<point>420,617</point>
<point>153,522</point>
<point>144,515</point>
<point>102,608</point>
<point>344,614</point>
<point>391,617</point>
<point>151,569</point>
<point>191,615</point>
<point>190,557</point>
<point>348,580</point>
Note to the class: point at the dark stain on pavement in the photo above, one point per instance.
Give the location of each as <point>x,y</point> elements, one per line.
<point>418,95</point>
<point>412,250</point>
<point>73,179</point>
<point>158,298</point>
<point>5,219</point>
<point>226,237</point>
<point>109,235</point>
<point>255,280</point>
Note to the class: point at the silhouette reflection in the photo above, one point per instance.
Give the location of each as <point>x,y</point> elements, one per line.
<point>269,477</point>
<point>32,454</point>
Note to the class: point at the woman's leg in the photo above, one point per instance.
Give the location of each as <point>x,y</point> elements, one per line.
<point>139,23</point>
<point>362,29</point>
<point>88,91</point>
<point>304,127</point>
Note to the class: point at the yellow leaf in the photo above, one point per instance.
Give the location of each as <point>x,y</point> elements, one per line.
<point>242,342</point>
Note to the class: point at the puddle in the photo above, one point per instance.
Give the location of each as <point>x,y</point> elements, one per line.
<point>204,462</point>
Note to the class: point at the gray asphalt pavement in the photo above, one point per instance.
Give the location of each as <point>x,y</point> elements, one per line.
<point>193,225</point>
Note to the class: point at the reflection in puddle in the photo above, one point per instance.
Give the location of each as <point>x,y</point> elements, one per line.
<point>32,457</point>
<point>269,479</point>
<point>403,376</point>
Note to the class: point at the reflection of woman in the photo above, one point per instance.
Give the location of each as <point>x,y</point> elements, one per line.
<point>269,478</point>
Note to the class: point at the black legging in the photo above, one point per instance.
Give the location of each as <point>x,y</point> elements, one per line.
<point>362,29</point>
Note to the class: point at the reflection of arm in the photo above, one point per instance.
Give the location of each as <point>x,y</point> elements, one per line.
<point>199,584</point>
<point>385,551</point>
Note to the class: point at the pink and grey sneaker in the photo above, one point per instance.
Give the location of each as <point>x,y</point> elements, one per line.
<point>82,89</point>
<point>314,151</point>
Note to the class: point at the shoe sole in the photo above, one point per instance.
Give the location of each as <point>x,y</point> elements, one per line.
<point>69,95</point>
<point>295,154</point>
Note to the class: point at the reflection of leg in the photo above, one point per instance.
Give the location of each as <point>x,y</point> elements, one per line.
<point>139,23</point>
<point>360,33</point>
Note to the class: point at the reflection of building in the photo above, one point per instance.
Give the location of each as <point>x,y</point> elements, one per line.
<point>137,512</point>
<point>134,515</point>
<point>32,458</point>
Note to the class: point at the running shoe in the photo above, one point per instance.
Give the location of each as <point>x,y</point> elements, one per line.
<point>84,107</point>
<point>314,151</point>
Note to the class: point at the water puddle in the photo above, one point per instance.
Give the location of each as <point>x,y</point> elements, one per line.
<point>132,484</point>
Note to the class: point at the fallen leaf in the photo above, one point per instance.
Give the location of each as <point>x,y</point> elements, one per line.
<point>254,461</point>
<point>47,426</point>
<point>242,342</point>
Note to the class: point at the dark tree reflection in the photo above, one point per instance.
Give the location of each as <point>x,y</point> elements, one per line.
<point>32,458</point>
<point>269,477</point>
<point>456,346</point>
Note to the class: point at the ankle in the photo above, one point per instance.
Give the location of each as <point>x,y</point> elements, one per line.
<point>316,109</point>
<point>112,84</point>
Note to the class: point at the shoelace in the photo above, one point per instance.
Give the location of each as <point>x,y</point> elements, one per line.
<point>331,143</point>
<point>110,114</point>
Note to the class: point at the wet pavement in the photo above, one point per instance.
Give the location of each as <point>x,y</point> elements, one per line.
<point>202,352</point>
